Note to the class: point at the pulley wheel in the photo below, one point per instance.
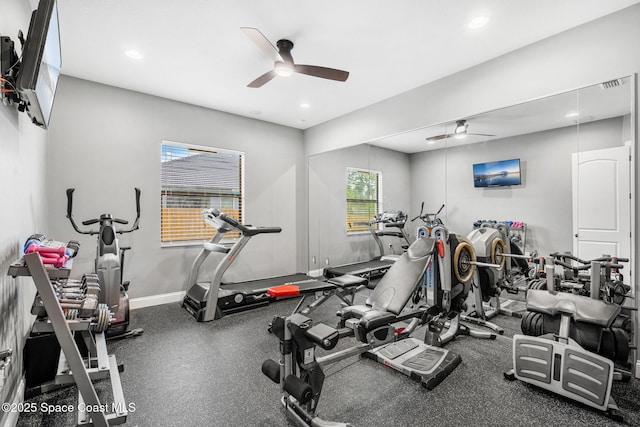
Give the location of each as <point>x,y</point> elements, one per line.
<point>463,257</point>
<point>497,252</point>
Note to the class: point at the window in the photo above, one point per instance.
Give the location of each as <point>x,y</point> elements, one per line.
<point>364,197</point>
<point>193,179</point>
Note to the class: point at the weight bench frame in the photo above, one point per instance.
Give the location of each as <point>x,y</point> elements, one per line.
<point>558,363</point>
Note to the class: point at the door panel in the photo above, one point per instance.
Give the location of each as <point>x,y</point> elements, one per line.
<point>601,203</point>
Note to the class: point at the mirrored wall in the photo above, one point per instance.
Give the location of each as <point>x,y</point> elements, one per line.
<point>571,151</point>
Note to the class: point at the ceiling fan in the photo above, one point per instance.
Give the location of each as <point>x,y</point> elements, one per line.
<point>283,61</point>
<point>460,131</point>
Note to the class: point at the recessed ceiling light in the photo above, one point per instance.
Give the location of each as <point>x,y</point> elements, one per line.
<point>431,142</point>
<point>305,105</point>
<point>478,22</point>
<point>572,114</point>
<point>134,54</point>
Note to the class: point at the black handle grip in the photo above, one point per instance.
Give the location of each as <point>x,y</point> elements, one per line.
<point>394,224</point>
<point>70,201</point>
<point>264,230</point>
<point>90,221</point>
<point>120,221</point>
<point>137,200</point>
<point>616,266</point>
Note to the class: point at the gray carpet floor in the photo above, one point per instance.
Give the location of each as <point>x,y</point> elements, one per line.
<point>184,373</point>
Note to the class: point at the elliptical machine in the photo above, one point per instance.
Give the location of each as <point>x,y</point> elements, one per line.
<point>109,265</point>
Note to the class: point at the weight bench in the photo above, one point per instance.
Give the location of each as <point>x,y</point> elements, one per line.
<point>299,371</point>
<point>382,327</point>
<point>557,362</point>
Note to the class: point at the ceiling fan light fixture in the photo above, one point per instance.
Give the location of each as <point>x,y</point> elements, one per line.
<point>283,69</point>
<point>461,128</point>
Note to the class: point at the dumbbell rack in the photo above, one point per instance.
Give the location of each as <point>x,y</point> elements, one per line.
<point>71,366</point>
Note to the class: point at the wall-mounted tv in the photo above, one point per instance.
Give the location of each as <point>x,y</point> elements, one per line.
<point>497,174</point>
<point>37,79</point>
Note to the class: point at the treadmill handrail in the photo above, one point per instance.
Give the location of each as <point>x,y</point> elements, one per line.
<point>247,230</point>
<point>395,224</point>
<point>252,231</point>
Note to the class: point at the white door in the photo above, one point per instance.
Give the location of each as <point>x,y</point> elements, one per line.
<point>602,203</point>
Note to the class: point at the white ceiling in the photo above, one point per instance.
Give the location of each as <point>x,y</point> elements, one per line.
<point>194,51</point>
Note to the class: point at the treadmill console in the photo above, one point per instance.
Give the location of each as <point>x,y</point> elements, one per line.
<point>391,217</point>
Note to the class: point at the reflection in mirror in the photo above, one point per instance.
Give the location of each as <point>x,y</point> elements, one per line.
<point>336,193</point>
<point>602,174</point>
<point>575,194</point>
<point>434,165</point>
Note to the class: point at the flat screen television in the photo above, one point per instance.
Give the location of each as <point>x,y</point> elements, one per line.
<point>37,79</point>
<point>497,174</point>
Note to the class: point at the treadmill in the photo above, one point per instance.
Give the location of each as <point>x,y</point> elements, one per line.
<point>207,301</point>
<point>378,266</point>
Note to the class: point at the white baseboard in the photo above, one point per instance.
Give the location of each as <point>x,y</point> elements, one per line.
<point>156,300</point>
<point>11,419</point>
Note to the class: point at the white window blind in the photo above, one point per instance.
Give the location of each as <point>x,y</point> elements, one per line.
<point>195,178</point>
<point>364,197</point>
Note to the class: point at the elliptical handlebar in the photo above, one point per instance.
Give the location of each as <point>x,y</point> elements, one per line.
<point>429,218</point>
<point>70,215</point>
<point>135,225</point>
<point>92,221</point>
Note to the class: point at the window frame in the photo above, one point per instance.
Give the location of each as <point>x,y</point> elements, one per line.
<point>241,198</point>
<point>378,200</point>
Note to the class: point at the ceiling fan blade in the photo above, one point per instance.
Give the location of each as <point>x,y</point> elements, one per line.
<point>265,78</point>
<point>439,137</point>
<point>262,42</point>
<point>479,134</point>
<point>323,72</point>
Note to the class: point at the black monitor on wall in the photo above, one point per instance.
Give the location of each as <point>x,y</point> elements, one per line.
<point>37,79</point>
<point>497,174</point>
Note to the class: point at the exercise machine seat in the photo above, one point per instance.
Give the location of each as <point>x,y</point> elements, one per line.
<point>581,308</point>
<point>392,293</point>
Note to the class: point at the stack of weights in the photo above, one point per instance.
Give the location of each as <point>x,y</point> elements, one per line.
<point>79,301</point>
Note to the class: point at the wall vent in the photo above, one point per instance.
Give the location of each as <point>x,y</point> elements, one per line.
<point>611,84</point>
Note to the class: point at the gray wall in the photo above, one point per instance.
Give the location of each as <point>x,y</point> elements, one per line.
<point>543,200</point>
<point>105,141</point>
<point>22,190</point>
<point>328,238</point>
<point>94,124</point>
